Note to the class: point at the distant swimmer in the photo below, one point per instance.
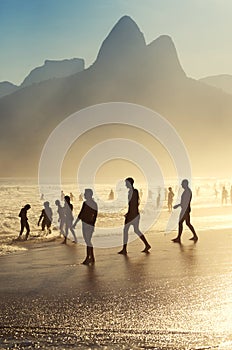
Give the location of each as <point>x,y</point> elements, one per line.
<point>88,216</point>
<point>185,205</point>
<point>61,217</point>
<point>68,217</point>
<point>24,221</point>
<point>158,200</point>
<point>62,196</point>
<point>224,195</point>
<point>71,196</point>
<point>170,199</point>
<point>132,217</point>
<point>46,217</point>
<point>111,195</point>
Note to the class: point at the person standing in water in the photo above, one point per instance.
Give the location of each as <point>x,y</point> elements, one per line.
<point>46,215</point>
<point>88,216</point>
<point>68,215</point>
<point>24,221</point>
<point>132,217</point>
<point>170,199</point>
<point>61,219</point>
<point>185,204</point>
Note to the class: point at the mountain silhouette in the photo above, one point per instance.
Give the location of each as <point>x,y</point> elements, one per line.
<point>222,81</point>
<point>7,88</point>
<point>54,69</point>
<point>51,69</point>
<point>126,69</point>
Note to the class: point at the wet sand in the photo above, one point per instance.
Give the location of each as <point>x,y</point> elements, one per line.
<point>176,297</point>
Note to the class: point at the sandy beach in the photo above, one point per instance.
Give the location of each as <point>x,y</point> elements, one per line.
<point>176,297</point>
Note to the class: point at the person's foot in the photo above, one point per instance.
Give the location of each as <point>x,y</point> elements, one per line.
<point>123,252</point>
<point>146,249</point>
<point>75,242</point>
<point>86,261</point>
<point>64,242</point>
<point>92,261</point>
<point>176,240</point>
<point>194,238</point>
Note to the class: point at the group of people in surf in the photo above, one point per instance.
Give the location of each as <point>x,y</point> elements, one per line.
<point>88,215</point>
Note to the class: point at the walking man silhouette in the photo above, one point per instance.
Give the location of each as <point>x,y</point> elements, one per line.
<point>185,204</point>
<point>88,216</point>
<point>132,217</point>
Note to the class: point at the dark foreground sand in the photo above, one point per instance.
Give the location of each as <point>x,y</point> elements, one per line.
<point>176,297</point>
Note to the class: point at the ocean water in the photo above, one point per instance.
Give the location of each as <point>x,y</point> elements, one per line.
<point>207,211</point>
<point>176,298</point>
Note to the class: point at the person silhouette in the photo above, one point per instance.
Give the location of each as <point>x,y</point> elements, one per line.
<point>24,221</point>
<point>62,196</point>
<point>111,195</point>
<point>68,215</point>
<point>61,218</point>
<point>170,199</point>
<point>158,200</point>
<point>185,205</point>
<point>132,217</point>
<point>46,215</point>
<point>224,195</point>
<point>88,216</point>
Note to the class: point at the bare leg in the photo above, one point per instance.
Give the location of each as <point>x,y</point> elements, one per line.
<point>125,240</point>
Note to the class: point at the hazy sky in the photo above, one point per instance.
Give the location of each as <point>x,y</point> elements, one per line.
<point>35,30</point>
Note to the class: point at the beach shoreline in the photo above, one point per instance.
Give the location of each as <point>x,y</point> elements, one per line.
<point>176,297</point>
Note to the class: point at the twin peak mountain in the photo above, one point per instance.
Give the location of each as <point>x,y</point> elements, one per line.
<point>126,69</point>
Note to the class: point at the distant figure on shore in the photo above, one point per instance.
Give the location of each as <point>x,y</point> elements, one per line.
<point>185,205</point>
<point>68,217</point>
<point>111,195</point>
<point>80,197</point>
<point>132,217</point>
<point>46,217</point>
<point>71,197</point>
<point>24,221</point>
<point>61,218</point>
<point>88,216</point>
<point>42,197</point>
<point>224,195</point>
<point>198,191</point>
<point>158,200</point>
<point>62,196</point>
<point>170,199</point>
